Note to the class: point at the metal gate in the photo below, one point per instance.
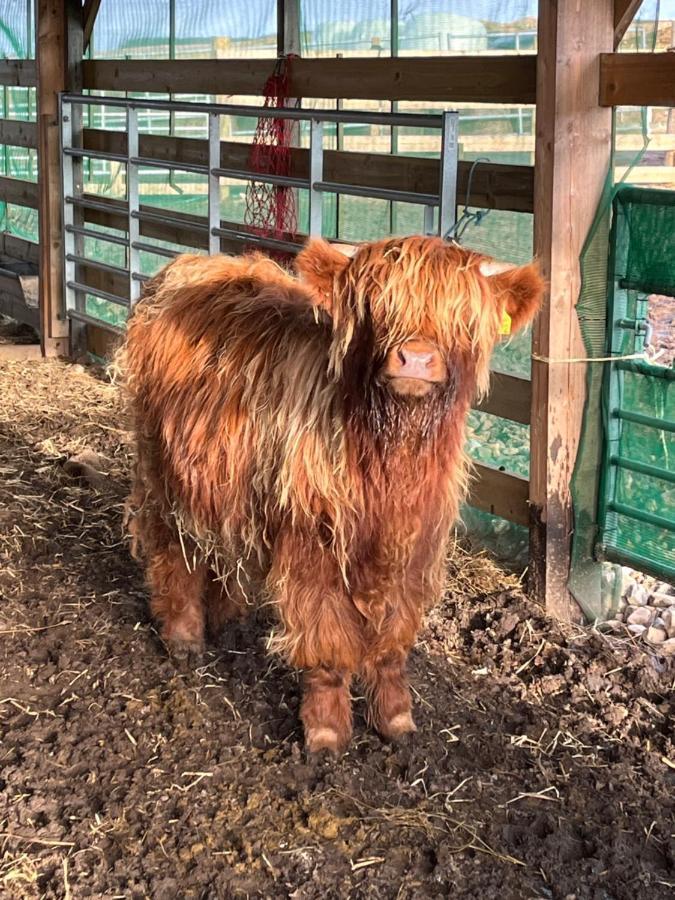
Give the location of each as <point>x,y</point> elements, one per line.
<point>637,496</point>
<point>439,217</point>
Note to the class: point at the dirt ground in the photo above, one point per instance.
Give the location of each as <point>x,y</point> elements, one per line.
<point>543,766</point>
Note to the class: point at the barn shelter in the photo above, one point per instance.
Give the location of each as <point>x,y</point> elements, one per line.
<point>131,134</point>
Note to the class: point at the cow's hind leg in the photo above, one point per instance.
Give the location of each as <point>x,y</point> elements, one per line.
<point>383,669</point>
<point>387,692</point>
<point>326,710</point>
<point>177,597</point>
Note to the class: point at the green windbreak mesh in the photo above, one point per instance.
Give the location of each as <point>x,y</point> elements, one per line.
<point>637,511</point>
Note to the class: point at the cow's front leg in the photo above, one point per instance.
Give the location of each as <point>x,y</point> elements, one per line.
<point>387,692</point>
<point>326,710</point>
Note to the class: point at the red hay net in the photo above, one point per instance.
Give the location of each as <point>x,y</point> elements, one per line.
<point>271,209</point>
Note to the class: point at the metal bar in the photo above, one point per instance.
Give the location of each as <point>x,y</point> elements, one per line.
<point>333,187</point>
<point>315,176</point>
<point>632,325</point>
<point>97,235</point>
<point>86,319</point>
<point>345,117</point>
<point>95,264</point>
<point>150,248</point>
<point>642,367</point>
<point>94,154</point>
<point>140,278</point>
<point>649,421</point>
<point>273,243</point>
<point>643,468</point>
<point>244,175</point>
<point>429,211</point>
<point>68,212</point>
<point>145,215</point>
<point>101,206</point>
<point>641,515</point>
<point>149,163</point>
<point>214,182</point>
<point>447,215</point>
<point>98,292</point>
<point>133,227</point>
<point>638,561</point>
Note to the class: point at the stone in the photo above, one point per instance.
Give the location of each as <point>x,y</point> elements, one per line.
<point>667,648</point>
<point>663,600</point>
<point>639,595</point>
<point>641,616</point>
<point>668,619</point>
<point>656,634</point>
<point>637,629</point>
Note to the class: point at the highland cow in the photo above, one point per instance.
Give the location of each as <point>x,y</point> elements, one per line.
<point>299,442</point>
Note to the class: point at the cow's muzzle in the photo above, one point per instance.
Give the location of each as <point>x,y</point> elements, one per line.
<point>413,368</point>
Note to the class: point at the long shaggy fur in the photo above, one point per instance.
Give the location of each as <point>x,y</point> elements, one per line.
<point>268,445</point>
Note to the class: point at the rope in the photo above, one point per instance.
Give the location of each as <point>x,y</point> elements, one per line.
<point>646,357</point>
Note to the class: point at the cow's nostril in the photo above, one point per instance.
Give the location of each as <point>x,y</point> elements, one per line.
<point>401,356</point>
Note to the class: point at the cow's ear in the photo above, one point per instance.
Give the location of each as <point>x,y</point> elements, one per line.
<point>319,264</point>
<point>519,290</point>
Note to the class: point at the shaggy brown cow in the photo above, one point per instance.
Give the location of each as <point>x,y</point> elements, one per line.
<point>306,435</point>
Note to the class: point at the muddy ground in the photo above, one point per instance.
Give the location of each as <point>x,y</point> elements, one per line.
<point>543,766</point>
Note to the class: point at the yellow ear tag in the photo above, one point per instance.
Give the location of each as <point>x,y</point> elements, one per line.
<point>505,327</point>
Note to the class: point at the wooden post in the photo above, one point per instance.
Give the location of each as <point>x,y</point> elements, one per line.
<point>573,144</point>
<point>59,68</point>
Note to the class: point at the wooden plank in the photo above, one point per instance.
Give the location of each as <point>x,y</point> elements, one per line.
<point>637,79</point>
<point>500,493</point>
<point>18,72</point>
<point>494,185</point>
<point>19,192</point>
<point>19,248</point>
<point>624,13</point>
<point>89,13</point>
<point>101,343</point>
<point>20,352</point>
<point>18,134</point>
<point>571,164</point>
<point>509,397</point>
<point>59,54</point>
<point>473,79</point>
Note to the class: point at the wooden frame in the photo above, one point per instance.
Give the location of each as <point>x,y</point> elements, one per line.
<point>18,133</point>
<point>637,79</point>
<point>59,56</point>
<point>494,185</point>
<point>18,72</point>
<point>624,13</point>
<point>470,79</point>
<point>571,165</point>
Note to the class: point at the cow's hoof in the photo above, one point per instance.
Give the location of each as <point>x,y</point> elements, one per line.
<point>183,651</point>
<point>399,727</point>
<point>324,738</point>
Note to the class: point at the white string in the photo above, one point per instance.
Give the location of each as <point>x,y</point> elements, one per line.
<point>600,359</point>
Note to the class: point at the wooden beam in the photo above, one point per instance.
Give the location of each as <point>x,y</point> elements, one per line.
<point>19,192</point>
<point>509,397</point>
<point>20,352</point>
<point>18,134</point>
<point>19,248</point>
<point>472,79</point>
<point>59,55</point>
<point>573,145</point>
<point>637,79</point>
<point>500,493</point>
<point>624,13</point>
<point>18,72</point>
<point>494,185</point>
<point>89,13</point>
